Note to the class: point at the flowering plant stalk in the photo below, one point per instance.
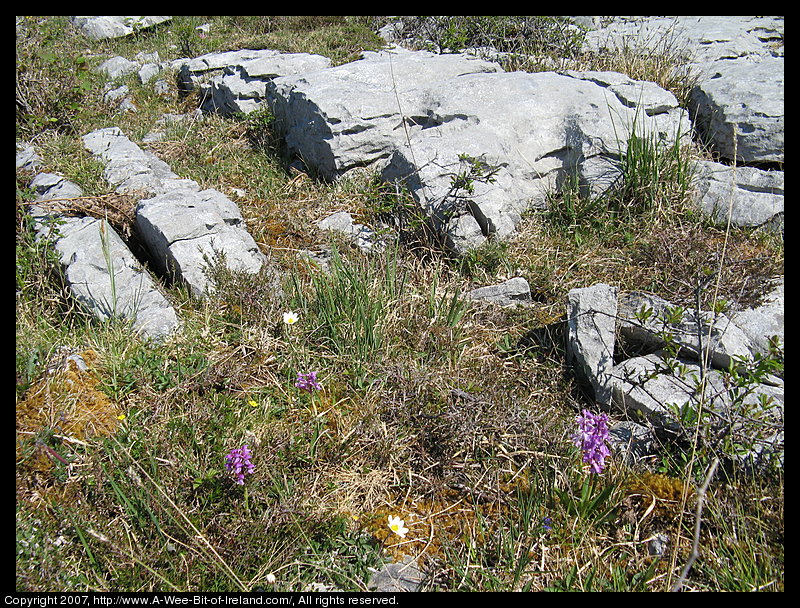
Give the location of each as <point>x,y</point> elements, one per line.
<point>290,318</point>
<point>591,436</point>
<point>237,462</point>
<point>308,382</point>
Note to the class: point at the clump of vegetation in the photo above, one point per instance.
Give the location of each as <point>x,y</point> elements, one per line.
<point>514,34</point>
<point>305,427</point>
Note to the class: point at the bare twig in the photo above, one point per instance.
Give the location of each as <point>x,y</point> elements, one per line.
<point>701,494</point>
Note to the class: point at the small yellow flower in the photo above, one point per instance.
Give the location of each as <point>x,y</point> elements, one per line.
<point>121,417</point>
<point>397,526</point>
<point>290,318</point>
<point>252,403</point>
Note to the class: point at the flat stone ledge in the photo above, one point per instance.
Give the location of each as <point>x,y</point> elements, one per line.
<point>103,275</point>
<point>184,231</point>
<point>514,292</point>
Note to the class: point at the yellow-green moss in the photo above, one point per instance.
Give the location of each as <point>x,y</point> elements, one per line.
<point>60,410</point>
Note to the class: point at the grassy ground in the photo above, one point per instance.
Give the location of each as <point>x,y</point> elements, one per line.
<point>445,413</point>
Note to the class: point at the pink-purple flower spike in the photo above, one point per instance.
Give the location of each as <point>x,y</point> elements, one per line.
<point>591,438</point>
<point>308,382</point>
<point>238,462</point>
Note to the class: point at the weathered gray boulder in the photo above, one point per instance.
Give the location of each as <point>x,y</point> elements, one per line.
<point>634,442</point>
<point>49,186</point>
<point>740,109</point>
<point>739,64</point>
<point>402,576</point>
<point>658,386</point>
<point>699,39</point>
<point>348,116</point>
<point>210,62</point>
<point>363,237</point>
<point>513,292</point>
<point>746,196</point>
<point>647,96</point>
<point>235,81</point>
<point>106,278</point>
<point>114,93</point>
<point>101,28</point>
<point>476,146</point>
<point>651,387</point>
<point>183,228</point>
<point>147,65</point>
<point>117,67</point>
<point>764,322</point>
<point>722,341</point>
<point>646,385</point>
<point>738,61</point>
<point>103,275</point>
<point>242,88</point>
<point>149,71</point>
<point>591,326</point>
<point>26,157</point>
<point>185,232</point>
<point>129,169</point>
